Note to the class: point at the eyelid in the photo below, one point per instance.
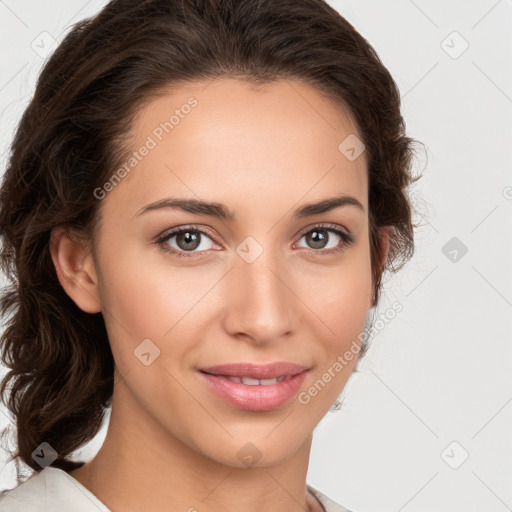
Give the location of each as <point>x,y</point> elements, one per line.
<point>169,233</point>
<point>323,225</point>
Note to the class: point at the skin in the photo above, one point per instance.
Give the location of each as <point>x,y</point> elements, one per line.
<point>171,444</point>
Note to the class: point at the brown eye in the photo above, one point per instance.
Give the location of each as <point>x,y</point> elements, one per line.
<point>187,240</point>
<point>317,238</point>
<point>326,239</point>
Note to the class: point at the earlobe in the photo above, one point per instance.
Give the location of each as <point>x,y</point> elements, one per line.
<point>75,269</point>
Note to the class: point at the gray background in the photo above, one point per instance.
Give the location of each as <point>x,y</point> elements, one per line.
<point>426,422</point>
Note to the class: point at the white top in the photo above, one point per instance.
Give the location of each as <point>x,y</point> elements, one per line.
<point>54,490</point>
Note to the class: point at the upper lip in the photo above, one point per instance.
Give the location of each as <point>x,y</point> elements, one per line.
<point>256,371</point>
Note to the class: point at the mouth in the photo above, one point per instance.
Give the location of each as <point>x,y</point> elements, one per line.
<point>255,387</point>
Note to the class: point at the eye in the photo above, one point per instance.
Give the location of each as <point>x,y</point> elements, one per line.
<point>187,240</point>
<point>319,237</point>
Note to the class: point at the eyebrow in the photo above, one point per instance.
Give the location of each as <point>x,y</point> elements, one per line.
<point>221,211</point>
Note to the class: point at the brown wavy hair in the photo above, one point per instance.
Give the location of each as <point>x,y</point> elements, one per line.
<point>74,133</point>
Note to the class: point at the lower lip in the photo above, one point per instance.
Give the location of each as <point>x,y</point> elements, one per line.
<point>255,398</point>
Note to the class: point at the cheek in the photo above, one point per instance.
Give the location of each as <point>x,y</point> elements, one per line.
<point>341,294</point>
<point>137,301</point>
<point>343,305</point>
<point>143,297</point>
<point>133,290</point>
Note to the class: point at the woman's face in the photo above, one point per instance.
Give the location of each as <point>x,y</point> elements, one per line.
<point>263,285</point>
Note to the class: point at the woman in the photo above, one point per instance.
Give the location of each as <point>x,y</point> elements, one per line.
<point>200,203</point>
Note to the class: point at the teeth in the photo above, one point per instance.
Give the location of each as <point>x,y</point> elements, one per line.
<point>248,381</point>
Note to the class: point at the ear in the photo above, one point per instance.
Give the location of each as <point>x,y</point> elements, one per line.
<point>384,241</point>
<point>75,269</point>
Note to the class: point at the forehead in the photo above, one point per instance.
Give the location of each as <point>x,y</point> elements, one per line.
<point>226,140</point>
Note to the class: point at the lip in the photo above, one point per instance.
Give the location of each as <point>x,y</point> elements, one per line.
<point>255,397</point>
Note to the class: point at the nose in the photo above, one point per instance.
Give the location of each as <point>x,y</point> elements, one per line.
<point>261,306</point>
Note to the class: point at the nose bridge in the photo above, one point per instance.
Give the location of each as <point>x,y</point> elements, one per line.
<point>260,304</point>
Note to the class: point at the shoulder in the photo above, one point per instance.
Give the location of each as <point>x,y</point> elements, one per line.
<point>328,504</point>
<point>25,496</point>
<point>51,489</point>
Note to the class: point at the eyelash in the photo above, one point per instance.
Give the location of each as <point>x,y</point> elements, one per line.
<point>347,239</point>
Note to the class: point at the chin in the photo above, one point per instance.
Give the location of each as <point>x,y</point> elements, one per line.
<point>262,451</point>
